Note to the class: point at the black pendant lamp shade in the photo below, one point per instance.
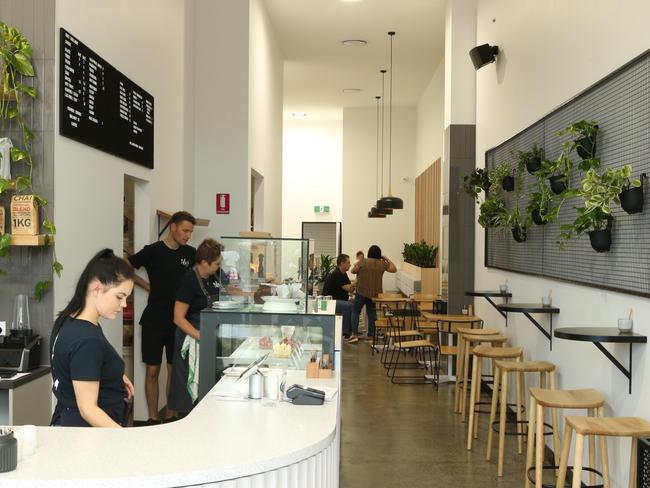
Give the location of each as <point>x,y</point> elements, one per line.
<point>375,213</point>
<point>390,202</point>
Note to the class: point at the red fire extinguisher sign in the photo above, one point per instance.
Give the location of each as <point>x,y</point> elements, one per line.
<point>223,203</point>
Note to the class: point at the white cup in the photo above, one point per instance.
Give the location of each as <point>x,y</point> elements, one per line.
<point>272,381</point>
<point>625,325</point>
<point>503,288</point>
<point>546,301</point>
<point>464,311</point>
<point>284,291</point>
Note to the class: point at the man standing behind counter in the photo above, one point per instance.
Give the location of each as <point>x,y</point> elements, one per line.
<point>166,262</point>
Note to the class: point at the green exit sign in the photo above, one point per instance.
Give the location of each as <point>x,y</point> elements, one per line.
<point>321,208</point>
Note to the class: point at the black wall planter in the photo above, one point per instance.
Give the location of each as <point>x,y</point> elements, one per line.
<point>558,184</point>
<point>533,164</point>
<point>586,147</point>
<point>537,217</point>
<point>519,234</point>
<point>508,183</point>
<point>601,240</point>
<point>632,200</point>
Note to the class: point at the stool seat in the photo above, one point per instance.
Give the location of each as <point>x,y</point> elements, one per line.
<point>467,330</point>
<point>404,333</point>
<point>498,352</point>
<point>416,343</point>
<point>492,339</point>
<point>526,366</point>
<point>448,350</point>
<point>610,426</point>
<point>587,398</point>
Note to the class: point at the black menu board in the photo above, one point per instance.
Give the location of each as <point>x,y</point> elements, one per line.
<point>101,107</point>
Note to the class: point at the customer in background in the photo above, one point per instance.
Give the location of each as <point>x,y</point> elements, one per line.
<point>338,286</point>
<point>88,377</point>
<point>370,272</point>
<point>166,262</point>
<point>199,288</point>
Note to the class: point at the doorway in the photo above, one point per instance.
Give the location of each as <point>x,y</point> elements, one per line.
<point>327,237</point>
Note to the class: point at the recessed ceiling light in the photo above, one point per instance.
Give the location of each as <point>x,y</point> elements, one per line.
<point>298,114</point>
<point>351,90</point>
<point>354,42</point>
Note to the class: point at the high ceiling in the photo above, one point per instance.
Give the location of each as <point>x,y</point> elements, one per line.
<point>318,67</point>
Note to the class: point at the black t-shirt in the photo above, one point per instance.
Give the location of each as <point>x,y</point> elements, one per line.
<point>82,353</point>
<point>334,285</point>
<point>191,293</point>
<point>165,268</point>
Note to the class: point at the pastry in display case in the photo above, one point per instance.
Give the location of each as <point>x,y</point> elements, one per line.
<point>266,271</point>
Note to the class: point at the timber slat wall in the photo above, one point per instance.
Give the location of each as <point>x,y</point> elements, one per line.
<point>427,205</point>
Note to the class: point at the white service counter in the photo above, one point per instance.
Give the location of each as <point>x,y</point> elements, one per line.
<point>221,443</point>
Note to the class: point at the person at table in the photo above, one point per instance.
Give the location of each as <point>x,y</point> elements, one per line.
<point>88,377</point>
<point>166,261</point>
<point>199,288</point>
<point>370,272</point>
<point>338,286</point>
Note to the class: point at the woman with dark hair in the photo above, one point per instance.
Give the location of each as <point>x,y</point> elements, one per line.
<point>87,373</point>
<point>199,288</point>
<point>370,272</point>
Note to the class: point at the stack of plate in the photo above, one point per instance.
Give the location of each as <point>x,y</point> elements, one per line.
<point>227,305</point>
<point>276,304</point>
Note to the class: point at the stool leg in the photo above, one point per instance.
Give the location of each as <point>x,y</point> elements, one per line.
<point>472,399</point>
<point>493,411</point>
<point>463,398</point>
<point>502,421</point>
<point>592,450</point>
<point>633,463</point>
<point>603,453</point>
<point>520,405</point>
<point>539,445</point>
<point>530,445</point>
<point>564,458</point>
<point>555,425</point>
<point>479,367</point>
<point>460,372</point>
<point>577,461</point>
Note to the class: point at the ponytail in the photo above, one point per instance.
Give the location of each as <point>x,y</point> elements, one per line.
<point>106,267</point>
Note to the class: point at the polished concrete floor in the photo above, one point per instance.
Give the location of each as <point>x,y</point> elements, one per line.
<point>407,436</point>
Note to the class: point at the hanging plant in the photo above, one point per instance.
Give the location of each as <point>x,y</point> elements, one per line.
<point>15,97</point>
<point>631,196</point>
<point>476,182</point>
<point>557,171</point>
<point>501,174</point>
<point>493,213</point>
<point>518,224</point>
<point>531,159</point>
<point>539,204</point>
<point>583,138</point>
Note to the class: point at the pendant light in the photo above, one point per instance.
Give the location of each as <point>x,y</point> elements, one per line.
<point>390,201</point>
<point>375,213</point>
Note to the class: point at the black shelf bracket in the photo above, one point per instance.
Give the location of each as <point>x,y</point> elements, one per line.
<point>503,314</point>
<point>547,334</point>
<point>625,371</point>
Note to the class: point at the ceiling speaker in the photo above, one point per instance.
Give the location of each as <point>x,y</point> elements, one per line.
<point>484,54</point>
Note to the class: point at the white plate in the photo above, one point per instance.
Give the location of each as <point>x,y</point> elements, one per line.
<point>226,305</point>
<point>274,299</point>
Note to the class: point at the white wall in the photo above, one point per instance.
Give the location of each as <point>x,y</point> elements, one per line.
<point>430,119</point>
<point>265,114</point>
<point>359,192</point>
<point>312,166</point>
<point>538,69</point>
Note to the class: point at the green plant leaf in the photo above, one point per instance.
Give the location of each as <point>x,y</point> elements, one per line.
<point>23,183</point>
<point>23,65</point>
<point>12,112</point>
<point>5,243</point>
<point>42,202</point>
<point>5,185</point>
<point>49,226</point>
<point>57,267</point>
<point>40,288</point>
<point>18,154</point>
<point>30,91</point>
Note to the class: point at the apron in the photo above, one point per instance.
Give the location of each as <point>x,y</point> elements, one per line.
<point>179,399</point>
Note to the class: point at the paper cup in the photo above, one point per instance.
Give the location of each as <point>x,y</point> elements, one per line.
<point>546,301</point>
<point>625,325</point>
<point>503,288</point>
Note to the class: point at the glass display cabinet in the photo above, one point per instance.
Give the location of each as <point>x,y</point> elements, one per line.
<point>239,336</point>
<point>258,268</point>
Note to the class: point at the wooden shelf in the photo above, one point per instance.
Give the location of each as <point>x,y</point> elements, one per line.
<point>38,240</point>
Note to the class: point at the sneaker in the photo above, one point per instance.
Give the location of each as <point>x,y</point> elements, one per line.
<point>170,420</point>
<point>152,422</point>
<point>353,339</point>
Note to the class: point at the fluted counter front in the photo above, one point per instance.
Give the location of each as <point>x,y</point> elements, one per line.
<point>221,443</point>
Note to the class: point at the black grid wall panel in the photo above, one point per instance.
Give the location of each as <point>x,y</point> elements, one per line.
<point>620,105</point>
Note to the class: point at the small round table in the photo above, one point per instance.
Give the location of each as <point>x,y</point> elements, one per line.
<point>527,309</point>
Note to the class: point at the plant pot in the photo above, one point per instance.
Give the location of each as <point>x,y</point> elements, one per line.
<point>519,234</point>
<point>632,200</point>
<point>558,184</point>
<point>601,240</point>
<point>586,147</point>
<point>533,164</point>
<point>508,183</point>
<point>537,217</point>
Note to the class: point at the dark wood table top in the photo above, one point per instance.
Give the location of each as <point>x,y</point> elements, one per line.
<point>599,334</point>
<point>527,308</point>
<point>488,293</point>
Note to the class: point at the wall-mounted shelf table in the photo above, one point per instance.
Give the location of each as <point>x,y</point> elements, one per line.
<point>527,309</point>
<point>488,295</point>
<point>597,335</point>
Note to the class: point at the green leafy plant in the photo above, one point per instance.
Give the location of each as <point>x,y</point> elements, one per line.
<point>493,213</point>
<point>499,173</point>
<point>582,139</point>
<point>598,192</point>
<point>557,167</point>
<point>326,267</point>
<point>541,201</point>
<point>476,182</point>
<point>420,254</point>
<point>15,92</point>
<point>530,159</point>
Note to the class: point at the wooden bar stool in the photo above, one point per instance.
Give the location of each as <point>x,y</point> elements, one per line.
<point>462,372</point>
<point>485,352</point>
<point>540,399</point>
<point>605,427</point>
<point>546,372</point>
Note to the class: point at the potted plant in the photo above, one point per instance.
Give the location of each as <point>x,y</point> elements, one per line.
<point>557,172</point>
<point>420,264</point>
<point>475,182</point>
<point>631,196</point>
<point>518,224</point>
<point>595,218</point>
<point>493,213</point>
<point>583,137</point>
<point>539,204</point>
<point>420,254</point>
<point>502,174</point>
<point>532,159</point>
